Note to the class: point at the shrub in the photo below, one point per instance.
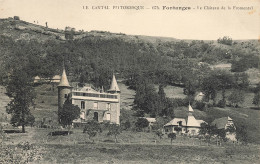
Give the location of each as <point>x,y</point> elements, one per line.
<point>221,104</point>
<point>60,133</point>
<point>141,123</point>
<point>200,105</point>
<point>172,136</point>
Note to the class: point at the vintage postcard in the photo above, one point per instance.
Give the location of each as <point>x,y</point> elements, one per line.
<point>129,81</point>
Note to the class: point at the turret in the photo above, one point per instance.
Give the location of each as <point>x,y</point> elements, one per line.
<point>114,89</point>
<point>64,89</point>
<point>114,86</point>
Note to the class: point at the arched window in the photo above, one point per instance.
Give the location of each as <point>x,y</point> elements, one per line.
<point>95,116</point>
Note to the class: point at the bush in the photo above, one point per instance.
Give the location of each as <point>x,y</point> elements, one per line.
<point>200,105</point>
<point>60,133</point>
<point>221,104</point>
<point>172,136</point>
<point>141,123</point>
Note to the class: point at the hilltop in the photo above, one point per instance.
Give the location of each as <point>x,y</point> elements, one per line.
<point>19,29</point>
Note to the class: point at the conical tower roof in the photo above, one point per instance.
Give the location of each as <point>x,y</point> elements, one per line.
<point>64,80</point>
<point>114,86</point>
<point>190,108</point>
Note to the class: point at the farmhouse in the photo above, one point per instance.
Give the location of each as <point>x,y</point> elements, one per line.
<point>226,123</point>
<point>190,125</point>
<point>95,105</point>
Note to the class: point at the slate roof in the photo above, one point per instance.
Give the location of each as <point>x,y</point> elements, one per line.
<point>64,80</point>
<point>174,122</point>
<point>114,85</point>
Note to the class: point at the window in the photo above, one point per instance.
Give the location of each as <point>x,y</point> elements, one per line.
<point>95,116</point>
<point>108,106</point>
<point>95,105</point>
<point>82,104</point>
<point>108,116</point>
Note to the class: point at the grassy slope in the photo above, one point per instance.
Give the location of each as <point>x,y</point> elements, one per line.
<point>76,148</point>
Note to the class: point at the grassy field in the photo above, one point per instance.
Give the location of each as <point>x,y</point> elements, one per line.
<point>133,147</point>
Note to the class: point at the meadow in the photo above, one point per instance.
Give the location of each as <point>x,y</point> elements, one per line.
<point>133,147</point>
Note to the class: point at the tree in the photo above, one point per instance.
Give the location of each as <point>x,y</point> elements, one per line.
<point>141,123</point>
<point>20,89</point>
<point>207,131</point>
<point>225,81</point>
<point>236,97</point>
<point>115,130</point>
<point>146,99</point>
<point>68,113</point>
<point>172,136</point>
<point>241,134</point>
<point>241,81</point>
<point>256,99</point>
<point>92,128</point>
<point>225,40</point>
<point>159,133</point>
<point>209,87</point>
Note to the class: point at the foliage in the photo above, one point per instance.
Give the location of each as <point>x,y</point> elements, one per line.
<point>68,113</point>
<point>242,134</point>
<point>149,102</point>
<point>172,136</point>
<point>245,62</point>
<point>23,152</point>
<point>256,98</point>
<point>225,40</point>
<point>200,105</point>
<point>217,81</point>
<point>236,97</point>
<point>115,130</point>
<point>159,133</point>
<point>141,123</point>
<point>92,128</point>
<point>20,89</point>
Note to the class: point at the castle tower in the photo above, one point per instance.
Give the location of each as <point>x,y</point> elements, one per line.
<point>114,89</point>
<point>64,89</point>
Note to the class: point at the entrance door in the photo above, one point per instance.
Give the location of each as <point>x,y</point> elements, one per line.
<point>95,116</point>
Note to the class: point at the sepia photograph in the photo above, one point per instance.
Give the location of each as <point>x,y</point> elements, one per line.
<point>129,81</point>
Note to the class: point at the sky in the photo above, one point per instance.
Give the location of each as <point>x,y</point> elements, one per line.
<point>192,24</point>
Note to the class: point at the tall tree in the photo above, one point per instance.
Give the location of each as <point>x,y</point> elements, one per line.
<point>20,89</point>
<point>225,82</point>
<point>68,113</point>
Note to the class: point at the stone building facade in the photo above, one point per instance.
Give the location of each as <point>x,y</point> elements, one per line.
<point>94,105</point>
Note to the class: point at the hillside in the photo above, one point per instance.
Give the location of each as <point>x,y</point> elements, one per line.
<point>19,29</point>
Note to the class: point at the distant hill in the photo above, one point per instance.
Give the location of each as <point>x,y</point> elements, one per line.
<point>19,29</point>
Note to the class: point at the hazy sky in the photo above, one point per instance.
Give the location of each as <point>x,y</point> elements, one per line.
<point>192,24</point>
